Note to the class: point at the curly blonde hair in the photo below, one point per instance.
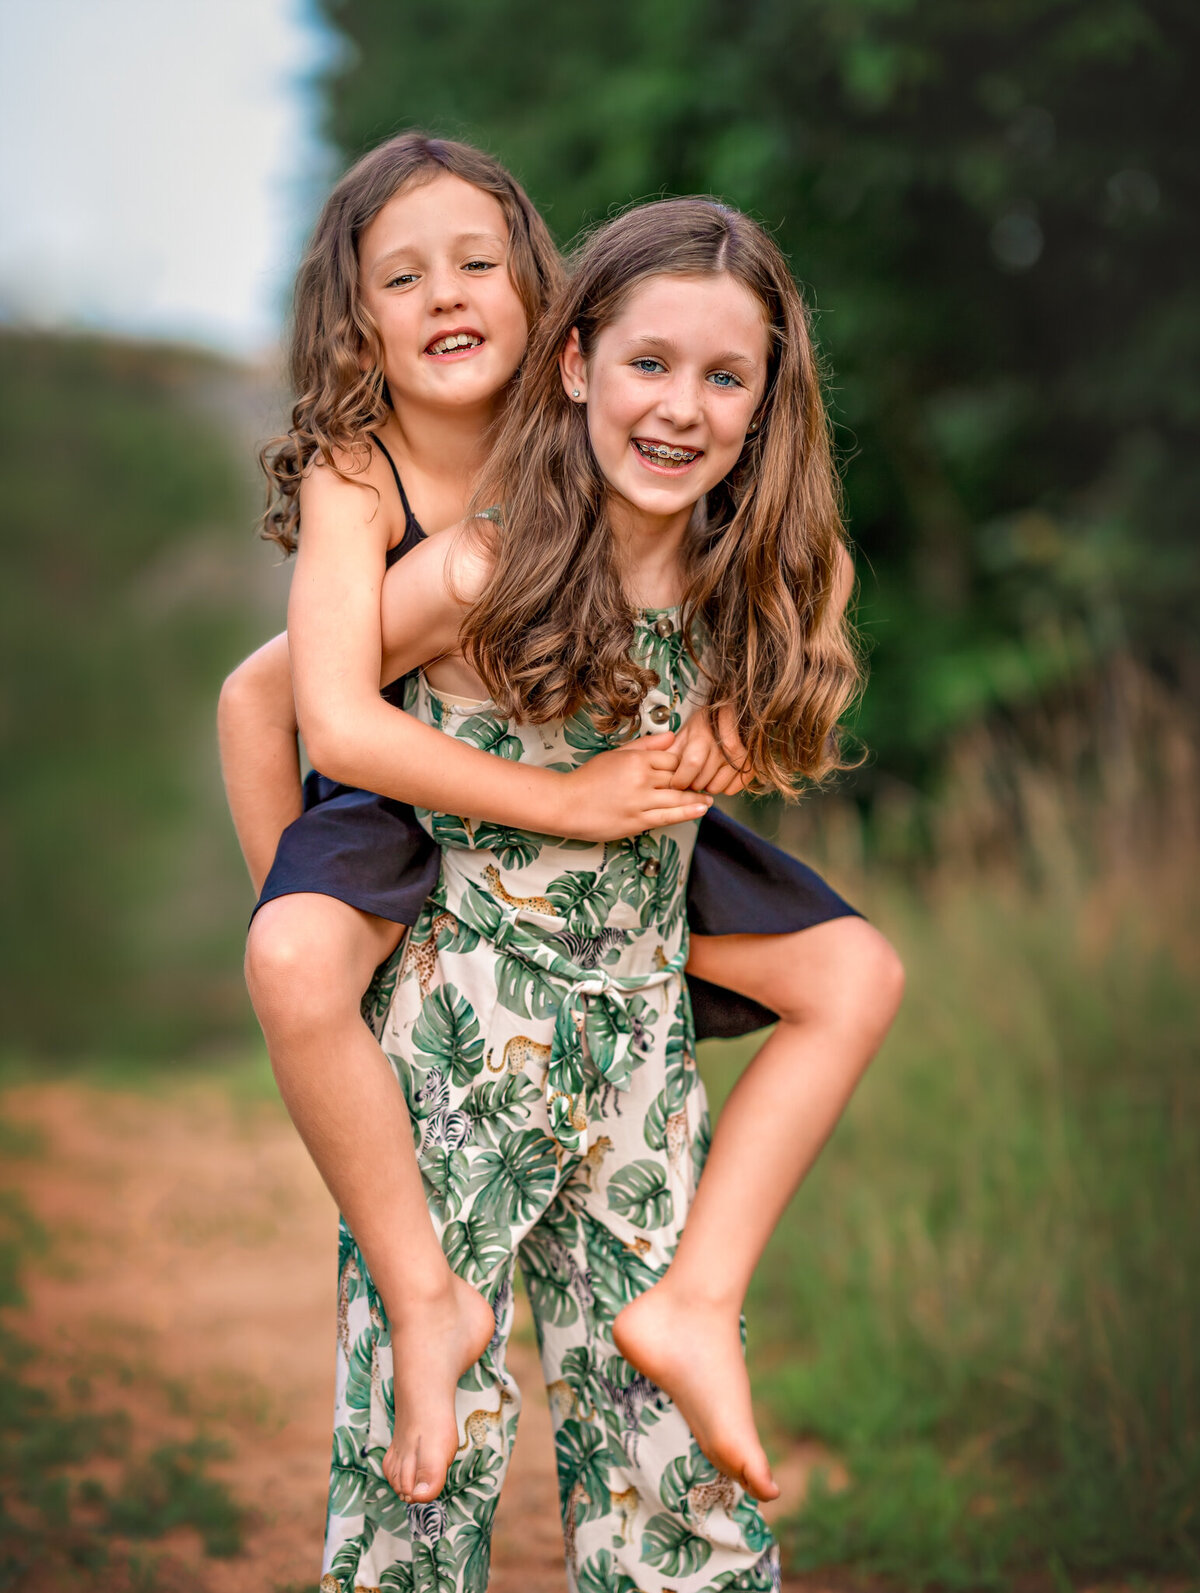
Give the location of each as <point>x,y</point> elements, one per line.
<point>339,397</point>
<point>553,629</point>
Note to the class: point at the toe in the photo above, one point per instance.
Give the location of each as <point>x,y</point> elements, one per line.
<point>408,1474</point>
<point>757,1478</point>
<point>428,1477</point>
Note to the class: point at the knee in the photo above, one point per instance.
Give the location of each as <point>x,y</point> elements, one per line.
<point>289,971</point>
<point>852,977</point>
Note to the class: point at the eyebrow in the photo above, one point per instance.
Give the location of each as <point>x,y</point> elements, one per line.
<point>666,346</point>
<point>406,250</point>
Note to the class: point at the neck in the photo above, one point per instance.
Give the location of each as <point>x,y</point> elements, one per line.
<point>648,550</point>
<point>446,443</point>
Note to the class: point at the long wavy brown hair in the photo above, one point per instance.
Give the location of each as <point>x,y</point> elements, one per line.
<point>340,397</point>
<point>763,561</point>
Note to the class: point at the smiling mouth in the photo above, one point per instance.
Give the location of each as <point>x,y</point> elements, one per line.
<point>665,456</point>
<point>454,342</point>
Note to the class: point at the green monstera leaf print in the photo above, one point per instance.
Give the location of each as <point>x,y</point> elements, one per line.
<point>476,1247</point>
<point>491,733</point>
<point>344,1565</point>
<point>639,1191</point>
<point>667,1103</point>
<point>378,997</point>
<point>434,1566</point>
<point>474,1546</point>
<point>469,1482</point>
<point>448,1034</point>
<point>348,1482</point>
<point>682,1475</point>
<point>673,1547</point>
<point>549,1289</point>
<point>581,733</point>
<point>513,848</point>
<point>669,658</point>
<point>398,1578</point>
<point>602,1574</point>
<point>584,898</point>
<point>358,1381</point>
<point>584,1464</point>
<point>514,1181</point>
<point>618,1274</point>
<point>755,1530</point>
<point>446,1175</point>
<point>498,1107</point>
<point>524,988</point>
<point>449,830</point>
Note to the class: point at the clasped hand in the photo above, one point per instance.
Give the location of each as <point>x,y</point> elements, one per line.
<point>652,781</point>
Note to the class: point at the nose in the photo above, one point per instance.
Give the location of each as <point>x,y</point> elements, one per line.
<point>445,289</point>
<point>679,401</point>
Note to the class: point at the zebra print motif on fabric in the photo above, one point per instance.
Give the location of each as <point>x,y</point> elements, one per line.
<point>587,951</point>
<point>630,1403</point>
<point>428,1520</point>
<point>441,1125</point>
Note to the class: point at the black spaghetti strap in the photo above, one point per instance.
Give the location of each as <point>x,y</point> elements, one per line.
<point>382,446</point>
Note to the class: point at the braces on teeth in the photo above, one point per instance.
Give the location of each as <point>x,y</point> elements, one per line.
<point>661,451</point>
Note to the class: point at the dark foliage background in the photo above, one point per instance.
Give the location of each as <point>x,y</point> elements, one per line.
<point>994,210</point>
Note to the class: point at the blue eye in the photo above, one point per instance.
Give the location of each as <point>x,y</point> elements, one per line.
<point>725,379</point>
<point>647,361</point>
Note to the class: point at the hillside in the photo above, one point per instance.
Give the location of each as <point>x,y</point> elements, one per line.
<point>133,582</point>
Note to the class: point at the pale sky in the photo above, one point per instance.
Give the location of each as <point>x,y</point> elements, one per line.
<point>159,164</point>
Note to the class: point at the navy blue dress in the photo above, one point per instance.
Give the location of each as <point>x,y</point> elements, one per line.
<point>370,852</point>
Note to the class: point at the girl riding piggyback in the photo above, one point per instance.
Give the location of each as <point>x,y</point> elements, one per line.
<point>665,541</point>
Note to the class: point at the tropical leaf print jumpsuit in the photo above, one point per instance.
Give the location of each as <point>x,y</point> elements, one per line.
<point>539,1025</point>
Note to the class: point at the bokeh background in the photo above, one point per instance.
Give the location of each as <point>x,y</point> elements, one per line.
<point>983,1312</point>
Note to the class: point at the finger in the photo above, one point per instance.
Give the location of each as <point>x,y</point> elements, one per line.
<point>691,765</point>
<point>657,818</point>
<point>721,782</point>
<point>713,765</point>
<point>660,738</point>
<point>667,760</point>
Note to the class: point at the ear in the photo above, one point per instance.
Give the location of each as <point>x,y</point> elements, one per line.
<point>573,369</point>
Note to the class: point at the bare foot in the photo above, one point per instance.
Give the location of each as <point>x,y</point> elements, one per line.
<point>694,1353</point>
<point>433,1343</point>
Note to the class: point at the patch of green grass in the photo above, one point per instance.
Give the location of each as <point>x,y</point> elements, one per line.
<point>170,1488</point>
<point>49,1514</point>
<point>986,1299</point>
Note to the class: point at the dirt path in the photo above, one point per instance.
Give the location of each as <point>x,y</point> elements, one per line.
<point>190,1281</point>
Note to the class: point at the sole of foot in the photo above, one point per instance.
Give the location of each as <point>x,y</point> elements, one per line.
<point>695,1355</point>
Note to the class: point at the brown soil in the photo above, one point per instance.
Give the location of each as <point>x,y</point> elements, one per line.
<point>190,1281</point>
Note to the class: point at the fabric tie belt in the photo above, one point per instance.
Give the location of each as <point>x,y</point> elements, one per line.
<point>593,1026</point>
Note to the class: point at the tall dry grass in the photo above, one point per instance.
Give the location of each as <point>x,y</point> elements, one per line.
<point>986,1298</point>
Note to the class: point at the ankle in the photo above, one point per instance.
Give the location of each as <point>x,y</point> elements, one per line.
<point>419,1292</point>
<point>688,1291</point>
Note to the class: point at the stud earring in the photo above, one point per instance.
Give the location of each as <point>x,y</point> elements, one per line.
<point>753,426</point>
<point>575,392</point>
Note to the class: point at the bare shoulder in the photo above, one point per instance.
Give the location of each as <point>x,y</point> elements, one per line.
<point>355,483</point>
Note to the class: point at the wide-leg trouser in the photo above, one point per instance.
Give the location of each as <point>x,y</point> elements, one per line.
<point>643,1511</point>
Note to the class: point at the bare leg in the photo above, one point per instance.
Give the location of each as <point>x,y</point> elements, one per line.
<point>836,987</point>
<point>309,959</point>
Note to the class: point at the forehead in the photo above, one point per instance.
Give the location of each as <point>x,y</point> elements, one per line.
<point>432,213</point>
<point>696,312</point>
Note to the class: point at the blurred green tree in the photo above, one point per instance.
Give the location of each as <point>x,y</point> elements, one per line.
<point>993,208</point>
<point>124,603</point>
